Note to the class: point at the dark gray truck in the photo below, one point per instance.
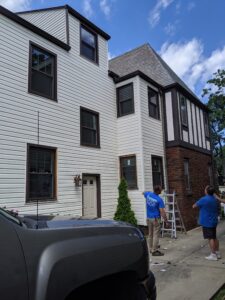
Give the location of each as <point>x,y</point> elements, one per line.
<point>72,260</point>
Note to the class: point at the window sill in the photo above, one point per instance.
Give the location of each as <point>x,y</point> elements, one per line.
<point>91,146</point>
<point>41,201</point>
<point>41,95</point>
<point>188,193</point>
<point>90,60</point>
<point>132,188</point>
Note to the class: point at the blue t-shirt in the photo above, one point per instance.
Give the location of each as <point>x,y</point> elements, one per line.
<point>153,204</point>
<point>208,214</point>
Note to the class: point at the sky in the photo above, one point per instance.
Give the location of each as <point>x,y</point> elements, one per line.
<point>188,34</point>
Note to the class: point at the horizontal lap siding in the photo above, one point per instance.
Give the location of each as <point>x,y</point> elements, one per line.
<point>129,142</point>
<point>80,83</point>
<point>52,21</point>
<point>152,136</point>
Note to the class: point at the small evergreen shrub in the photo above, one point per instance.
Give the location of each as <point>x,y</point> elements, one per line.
<point>124,212</point>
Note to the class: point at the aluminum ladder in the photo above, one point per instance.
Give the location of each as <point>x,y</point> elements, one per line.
<point>173,216</point>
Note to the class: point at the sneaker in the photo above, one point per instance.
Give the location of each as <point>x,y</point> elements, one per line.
<point>212,256</point>
<point>218,254</point>
<point>157,253</point>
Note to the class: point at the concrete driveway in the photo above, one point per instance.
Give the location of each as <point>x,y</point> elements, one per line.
<point>184,273</point>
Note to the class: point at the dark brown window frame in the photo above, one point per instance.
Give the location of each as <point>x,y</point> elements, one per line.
<point>97,129</point>
<point>96,60</point>
<point>135,186</point>
<point>206,125</point>
<point>159,158</point>
<point>54,81</point>
<point>43,200</point>
<point>188,187</point>
<point>119,101</point>
<point>157,106</point>
<point>184,125</point>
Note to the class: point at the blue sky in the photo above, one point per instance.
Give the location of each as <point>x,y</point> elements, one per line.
<point>188,34</point>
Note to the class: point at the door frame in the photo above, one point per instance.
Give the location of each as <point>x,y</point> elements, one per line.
<point>98,196</point>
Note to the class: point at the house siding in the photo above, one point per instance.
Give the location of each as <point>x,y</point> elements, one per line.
<point>152,138</point>
<point>52,21</point>
<point>80,83</point>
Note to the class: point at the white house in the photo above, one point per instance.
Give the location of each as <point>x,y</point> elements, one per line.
<point>71,124</point>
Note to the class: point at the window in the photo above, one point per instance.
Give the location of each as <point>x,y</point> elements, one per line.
<point>210,172</point>
<point>41,177</point>
<point>153,104</point>
<point>89,128</point>
<point>187,175</point>
<point>88,44</point>
<point>128,170</point>
<point>42,72</point>
<point>125,100</point>
<point>206,123</point>
<point>183,111</point>
<point>157,171</point>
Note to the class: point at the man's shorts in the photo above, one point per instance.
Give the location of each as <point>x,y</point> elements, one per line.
<point>209,233</point>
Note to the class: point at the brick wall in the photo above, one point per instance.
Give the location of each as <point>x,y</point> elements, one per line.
<point>199,178</point>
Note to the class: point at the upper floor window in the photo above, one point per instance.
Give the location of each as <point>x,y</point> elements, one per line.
<point>41,177</point>
<point>187,175</point>
<point>125,100</point>
<point>42,72</point>
<point>128,170</point>
<point>183,111</point>
<point>206,123</point>
<point>153,104</point>
<point>157,171</point>
<point>88,44</point>
<point>89,122</point>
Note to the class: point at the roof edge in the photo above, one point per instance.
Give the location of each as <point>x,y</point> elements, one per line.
<point>14,17</point>
<point>74,13</point>
<point>181,89</point>
<point>118,79</point>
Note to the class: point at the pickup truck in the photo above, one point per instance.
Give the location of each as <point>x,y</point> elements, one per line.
<point>72,260</point>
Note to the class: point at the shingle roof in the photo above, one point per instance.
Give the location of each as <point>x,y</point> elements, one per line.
<point>146,60</point>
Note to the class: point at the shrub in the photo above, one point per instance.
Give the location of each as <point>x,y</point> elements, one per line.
<point>124,212</point>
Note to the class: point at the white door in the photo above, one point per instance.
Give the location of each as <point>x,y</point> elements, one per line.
<point>89,197</point>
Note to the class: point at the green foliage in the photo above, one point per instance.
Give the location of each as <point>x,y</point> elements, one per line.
<point>124,211</point>
<point>216,105</point>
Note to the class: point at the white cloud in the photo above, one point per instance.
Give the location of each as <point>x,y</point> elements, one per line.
<point>170,29</point>
<point>188,61</point>
<point>105,7</point>
<point>110,55</point>
<point>87,8</point>
<point>191,5</point>
<point>15,5</point>
<point>154,14</point>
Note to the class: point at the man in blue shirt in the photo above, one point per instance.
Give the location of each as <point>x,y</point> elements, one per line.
<point>208,219</point>
<point>155,210</point>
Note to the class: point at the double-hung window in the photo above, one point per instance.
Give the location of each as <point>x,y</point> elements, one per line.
<point>183,111</point>
<point>41,177</point>
<point>125,100</point>
<point>128,170</point>
<point>89,127</point>
<point>153,104</point>
<point>157,171</point>
<point>42,72</point>
<point>88,44</point>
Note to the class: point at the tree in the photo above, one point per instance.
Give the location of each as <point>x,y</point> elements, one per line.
<point>216,105</point>
<point>124,211</point>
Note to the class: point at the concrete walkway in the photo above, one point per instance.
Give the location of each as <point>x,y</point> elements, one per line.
<point>184,273</point>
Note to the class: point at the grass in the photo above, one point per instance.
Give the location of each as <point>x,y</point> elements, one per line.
<point>220,295</point>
